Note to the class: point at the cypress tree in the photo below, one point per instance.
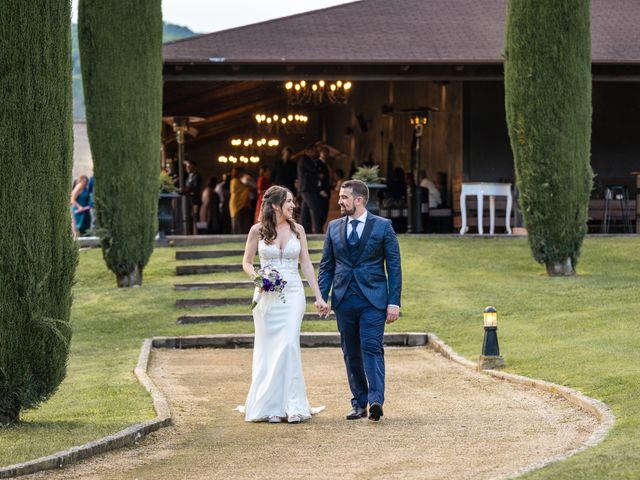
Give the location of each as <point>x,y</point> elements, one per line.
<point>548,106</point>
<point>37,251</point>
<point>121,60</point>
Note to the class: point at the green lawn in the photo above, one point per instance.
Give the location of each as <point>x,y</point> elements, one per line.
<point>582,332</point>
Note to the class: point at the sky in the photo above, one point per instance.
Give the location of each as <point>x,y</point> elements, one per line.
<point>205,16</point>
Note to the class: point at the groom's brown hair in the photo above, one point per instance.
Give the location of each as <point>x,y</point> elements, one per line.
<point>359,189</point>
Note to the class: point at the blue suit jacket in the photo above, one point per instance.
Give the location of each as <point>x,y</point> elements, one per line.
<point>378,245</point>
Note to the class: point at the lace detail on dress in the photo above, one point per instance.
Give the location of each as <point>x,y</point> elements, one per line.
<point>285,259</point>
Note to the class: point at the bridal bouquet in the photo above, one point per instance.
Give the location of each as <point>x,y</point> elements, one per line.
<point>268,279</point>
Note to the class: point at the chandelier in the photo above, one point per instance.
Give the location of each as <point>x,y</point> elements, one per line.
<point>248,149</point>
<point>317,93</point>
<point>287,123</point>
<point>239,158</point>
<point>257,144</point>
<point>419,118</point>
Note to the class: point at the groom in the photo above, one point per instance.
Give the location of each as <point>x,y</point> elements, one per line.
<point>356,248</point>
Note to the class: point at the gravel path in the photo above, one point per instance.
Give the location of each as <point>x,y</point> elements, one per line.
<point>441,421</point>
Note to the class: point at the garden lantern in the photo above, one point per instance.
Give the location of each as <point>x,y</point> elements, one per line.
<point>490,357</point>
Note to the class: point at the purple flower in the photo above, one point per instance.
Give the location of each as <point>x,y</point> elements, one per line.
<point>268,279</point>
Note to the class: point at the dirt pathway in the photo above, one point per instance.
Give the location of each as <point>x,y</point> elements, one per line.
<point>441,421</point>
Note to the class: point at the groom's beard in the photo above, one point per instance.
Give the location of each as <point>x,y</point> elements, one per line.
<point>345,211</point>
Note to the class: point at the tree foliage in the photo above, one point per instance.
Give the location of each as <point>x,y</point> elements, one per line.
<point>548,106</point>
<point>38,255</point>
<point>121,58</point>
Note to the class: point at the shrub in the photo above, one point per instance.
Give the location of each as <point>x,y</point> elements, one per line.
<point>548,106</point>
<point>38,255</point>
<point>121,59</point>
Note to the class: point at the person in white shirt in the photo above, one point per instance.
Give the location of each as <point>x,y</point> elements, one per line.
<point>435,198</point>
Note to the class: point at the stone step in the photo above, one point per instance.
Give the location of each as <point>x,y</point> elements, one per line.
<point>88,242</point>
<point>218,302</point>
<point>219,285</point>
<point>198,254</point>
<point>224,267</point>
<point>307,339</point>
<point>181,240</point>
<point>238,317</point>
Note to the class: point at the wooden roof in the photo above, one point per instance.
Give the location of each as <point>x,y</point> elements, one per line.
<point>225,76</point>
<point>398,32</point>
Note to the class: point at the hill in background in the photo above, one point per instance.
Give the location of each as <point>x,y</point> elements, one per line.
<point>170,33</point>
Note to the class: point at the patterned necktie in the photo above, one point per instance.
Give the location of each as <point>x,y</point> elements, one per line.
<point>353,236</point>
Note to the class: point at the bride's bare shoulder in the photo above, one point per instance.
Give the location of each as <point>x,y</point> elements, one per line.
<point>299,228</point>
<point>255,230</point>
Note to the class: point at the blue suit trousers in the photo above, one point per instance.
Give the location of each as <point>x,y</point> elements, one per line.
<point>361,327</point>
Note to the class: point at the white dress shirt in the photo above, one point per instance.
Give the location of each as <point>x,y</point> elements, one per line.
<point>359,229</point>
<point>435,198</point>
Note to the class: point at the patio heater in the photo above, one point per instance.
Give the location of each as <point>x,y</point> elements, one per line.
<point>181,126</point>
<point>419,119</point>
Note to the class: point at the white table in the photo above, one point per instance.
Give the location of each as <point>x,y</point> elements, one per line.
<point>480,189</point>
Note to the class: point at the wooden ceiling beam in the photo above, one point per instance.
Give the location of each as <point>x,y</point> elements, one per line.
<point>220,99</point>
<point>246,109</point>
<point>231,120</point>
<point>228,120</point>
<point>216,91</point>
<point>219,130</point>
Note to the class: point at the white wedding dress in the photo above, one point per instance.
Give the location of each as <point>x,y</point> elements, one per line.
<point>277,383</point>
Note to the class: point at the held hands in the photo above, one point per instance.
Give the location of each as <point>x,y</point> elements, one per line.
<point>323,308</point>
<point>392,313</point>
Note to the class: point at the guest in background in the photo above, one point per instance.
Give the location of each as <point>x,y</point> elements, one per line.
<point>338,178</point>
<point>172,170</point>
<point>409,179</point>
<point>324,185</point>
<point>193,190</point>
<point>434,194</point>
<point>285,171</point>
<point>263,183</point>
<point>81,206</point>
<point>250,182</point>
<point>210,209</point>
<point>309,190</point>
<point>92,211</point>
<point>334,208</point>
<point>222,189</point>
<point>397,187</point>
<point>239,202</point>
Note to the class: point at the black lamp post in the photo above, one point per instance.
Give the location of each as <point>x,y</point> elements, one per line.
<point>490,357</point>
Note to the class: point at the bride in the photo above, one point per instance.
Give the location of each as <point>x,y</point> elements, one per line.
<point>277,384</point>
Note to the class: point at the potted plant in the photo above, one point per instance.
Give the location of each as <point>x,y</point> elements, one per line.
<point>371,176</point>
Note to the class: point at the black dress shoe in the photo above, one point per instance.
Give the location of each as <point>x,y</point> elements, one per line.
<point>375,411</point>
<point>356,413</point>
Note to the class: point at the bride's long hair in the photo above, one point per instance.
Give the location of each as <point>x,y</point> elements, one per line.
<point>274,197</point>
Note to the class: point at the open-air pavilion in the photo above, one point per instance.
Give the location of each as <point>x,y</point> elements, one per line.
<point>403,58</point>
